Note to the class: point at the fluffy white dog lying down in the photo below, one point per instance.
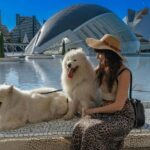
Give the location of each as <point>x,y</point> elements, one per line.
<point>19,107</point>
<point>78,82</point>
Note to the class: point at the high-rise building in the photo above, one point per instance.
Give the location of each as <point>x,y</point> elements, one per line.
<point>26,28</point>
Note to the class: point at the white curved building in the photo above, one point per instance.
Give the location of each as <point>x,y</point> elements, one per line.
<point>139,22</point>
<point>78,22</point>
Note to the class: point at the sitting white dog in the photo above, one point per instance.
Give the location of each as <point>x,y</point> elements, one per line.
<point>19,107</point>
<point>79,82</point>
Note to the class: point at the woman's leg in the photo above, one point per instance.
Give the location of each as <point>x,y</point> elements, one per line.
<point>106,134</point>
<point>77,135</point>
<point>94,137</point>
<point>78,132</point>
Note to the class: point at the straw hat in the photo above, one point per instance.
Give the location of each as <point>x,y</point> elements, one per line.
<point>107,42</point>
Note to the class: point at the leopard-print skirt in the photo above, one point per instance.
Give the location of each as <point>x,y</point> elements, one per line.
<point>103,131</point>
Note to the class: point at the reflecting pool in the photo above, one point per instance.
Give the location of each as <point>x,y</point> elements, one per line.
<point>29,74</point>
<point>34,73</point>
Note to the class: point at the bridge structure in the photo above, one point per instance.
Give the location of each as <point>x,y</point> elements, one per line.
<point>145,46</point>
<point>14,47</point>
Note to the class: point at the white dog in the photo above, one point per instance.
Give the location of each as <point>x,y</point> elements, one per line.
<point>18,107</point>
<point>78,82</point>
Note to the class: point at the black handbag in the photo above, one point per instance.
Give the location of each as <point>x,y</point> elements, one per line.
<point>138,108</point>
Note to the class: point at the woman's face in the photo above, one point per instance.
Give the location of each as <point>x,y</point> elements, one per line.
<point>103,62</point>
<point>101,57</point>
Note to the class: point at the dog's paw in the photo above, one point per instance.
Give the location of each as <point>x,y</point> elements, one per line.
<point>68,117</point>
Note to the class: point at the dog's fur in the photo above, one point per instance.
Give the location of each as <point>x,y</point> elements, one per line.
<point>78,82</point>
<point>17,107</point>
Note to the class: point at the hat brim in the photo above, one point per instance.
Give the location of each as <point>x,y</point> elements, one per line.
<point>99,45</point>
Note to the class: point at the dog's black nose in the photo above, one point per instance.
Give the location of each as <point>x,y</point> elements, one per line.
<point>69,65</point>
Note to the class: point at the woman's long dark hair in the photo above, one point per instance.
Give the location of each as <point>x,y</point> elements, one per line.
<point>113,62</point>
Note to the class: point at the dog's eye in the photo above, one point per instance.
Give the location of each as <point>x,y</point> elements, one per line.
<point>74,60</point>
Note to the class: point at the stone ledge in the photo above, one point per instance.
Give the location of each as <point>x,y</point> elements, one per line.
<point>38,143</point>
<point>138,140</point>
<point>43,136</point>
<point>56,135</point>
<point>135,141</point>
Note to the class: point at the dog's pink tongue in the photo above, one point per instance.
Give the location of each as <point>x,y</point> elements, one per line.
<point>70,73</point>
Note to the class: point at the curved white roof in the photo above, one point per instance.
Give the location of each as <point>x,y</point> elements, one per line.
<point>79,22</point>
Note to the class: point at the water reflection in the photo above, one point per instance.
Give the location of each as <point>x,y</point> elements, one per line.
<point>36,73</point>
<point>49,71</point>
<point>31,74</point>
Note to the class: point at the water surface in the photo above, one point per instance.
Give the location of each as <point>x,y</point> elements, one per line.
<point>35,73</point>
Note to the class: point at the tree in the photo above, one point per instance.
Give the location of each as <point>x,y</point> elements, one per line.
<point>1,45</point>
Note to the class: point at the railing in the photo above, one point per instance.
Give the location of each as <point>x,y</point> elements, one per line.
<point>14,47</point>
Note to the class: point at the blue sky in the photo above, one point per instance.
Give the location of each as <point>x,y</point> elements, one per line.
<point>43,9</point>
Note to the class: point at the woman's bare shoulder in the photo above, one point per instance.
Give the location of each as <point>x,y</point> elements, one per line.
<point>124,76</point>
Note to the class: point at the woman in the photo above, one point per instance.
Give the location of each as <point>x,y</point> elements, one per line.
<point>106,126</point>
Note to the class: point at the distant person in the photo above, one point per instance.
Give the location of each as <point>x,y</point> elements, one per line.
<point>105,127</point>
